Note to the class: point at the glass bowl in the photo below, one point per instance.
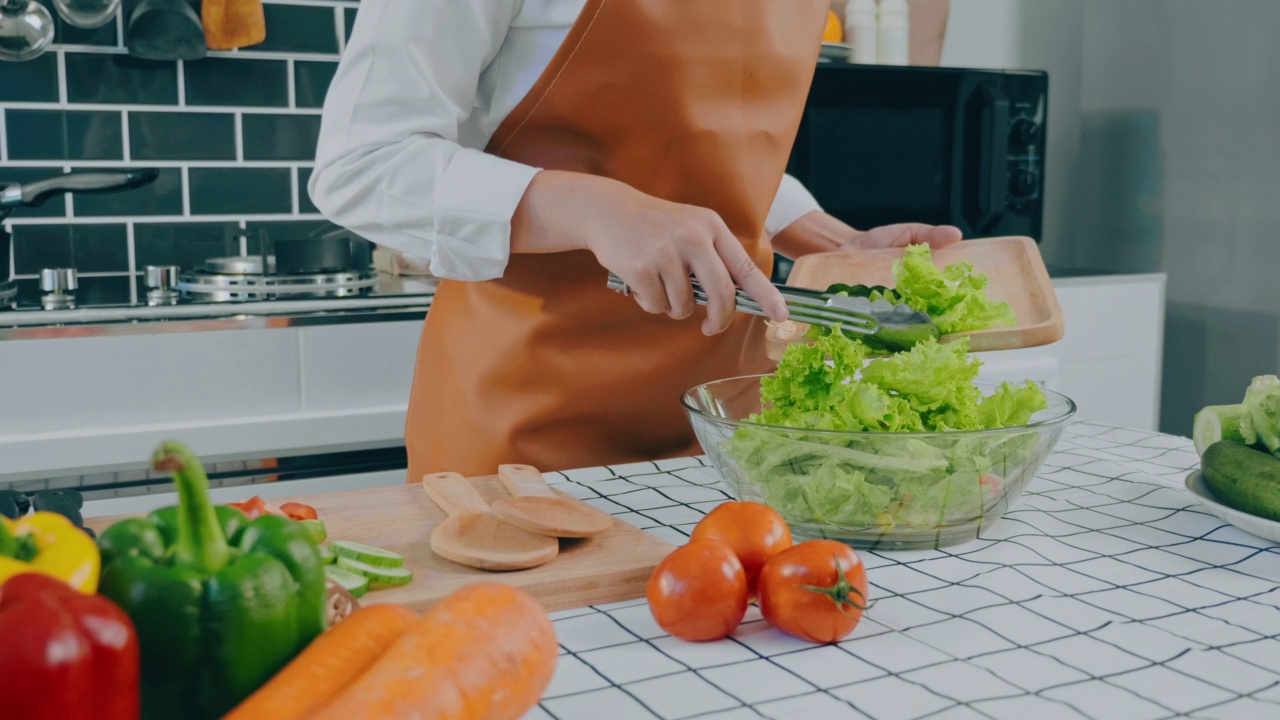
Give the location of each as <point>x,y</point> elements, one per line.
<point>874,490</point>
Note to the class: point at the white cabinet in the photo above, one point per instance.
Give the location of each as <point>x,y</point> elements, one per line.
<point>1110,359</point>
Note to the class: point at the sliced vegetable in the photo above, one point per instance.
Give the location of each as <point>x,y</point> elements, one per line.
<point>1255,421</point>
<point>299,511</point>
<point>1219,422</point>
<point>326,555</point>
<point>328,665</point>
<point>487,651</point>
<point>1244,478</point>
<point>316,528</point>
<point>354,582</point>
<point>377,574</point>
<point>815,591</point>
<point>699,591</point>
<point>755,532</point>
<point>366,553</point>
<point>255,507</point>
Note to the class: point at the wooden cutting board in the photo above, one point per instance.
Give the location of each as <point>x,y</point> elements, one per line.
<point>606,568</point>
<point>1017,272</point>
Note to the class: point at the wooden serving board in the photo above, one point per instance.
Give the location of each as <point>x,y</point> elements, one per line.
<point>1017,272</point>
<point>606,568</point>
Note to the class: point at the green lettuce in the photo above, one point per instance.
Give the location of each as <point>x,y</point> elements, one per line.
<point>955,297</point>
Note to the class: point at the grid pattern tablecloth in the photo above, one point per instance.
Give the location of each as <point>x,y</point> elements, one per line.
<point>1105,593</point>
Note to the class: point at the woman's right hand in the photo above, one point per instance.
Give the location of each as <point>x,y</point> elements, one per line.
<point>654,245</point>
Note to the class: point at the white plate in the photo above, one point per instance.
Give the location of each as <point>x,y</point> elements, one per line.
<point>1252,524</point>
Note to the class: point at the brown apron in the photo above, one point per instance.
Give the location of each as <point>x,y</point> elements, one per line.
<point>693,101</point>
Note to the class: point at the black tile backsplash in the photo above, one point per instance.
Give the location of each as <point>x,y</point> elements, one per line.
<point>280,137</point>
<point>229,134</point>
<point>120,80</point>
<point>311,82</point>
<point>162,197</point>
<point>31,81</point>
<point>236,82</point>
<point>64,135</point>
<point>304,198</point>
<point>182,136</point>
<point>240,191</point>
<point>300,29</point>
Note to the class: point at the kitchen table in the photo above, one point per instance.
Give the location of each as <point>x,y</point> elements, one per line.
<point>1105,593</point>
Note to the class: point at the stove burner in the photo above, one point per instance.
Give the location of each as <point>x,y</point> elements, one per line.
<point>238,279</point>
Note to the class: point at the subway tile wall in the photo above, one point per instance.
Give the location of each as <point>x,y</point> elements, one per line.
<point>233,134</point>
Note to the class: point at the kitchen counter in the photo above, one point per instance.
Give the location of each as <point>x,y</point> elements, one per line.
<point>1105,593</point>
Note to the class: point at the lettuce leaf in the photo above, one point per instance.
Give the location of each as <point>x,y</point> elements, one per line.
<point>955,297</point>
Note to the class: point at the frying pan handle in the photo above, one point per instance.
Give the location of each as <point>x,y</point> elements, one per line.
<point>36,193</point>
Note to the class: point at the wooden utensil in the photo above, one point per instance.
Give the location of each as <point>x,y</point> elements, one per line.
<point>1013,264</point>
<point>537,508</point>
<point>231,24</point>
<point>608,568</point>
<point>474,536</point>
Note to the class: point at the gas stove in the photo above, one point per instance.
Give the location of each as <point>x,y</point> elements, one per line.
<point>246,278</point>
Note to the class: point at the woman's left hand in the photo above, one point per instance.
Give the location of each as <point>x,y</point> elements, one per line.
<point>819,232</point>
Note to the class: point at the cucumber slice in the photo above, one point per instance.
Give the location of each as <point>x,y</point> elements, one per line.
<point>326,555</point>
<point>378,575</point>
<point>366,553</point>
<point>1220,422</point>
<point>354,582</point>
<point>317,529</point>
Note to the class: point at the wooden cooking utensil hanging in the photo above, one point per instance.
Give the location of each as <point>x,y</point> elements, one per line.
<point>231,24</point>
<point>534,506</point>
<point>475,537</point>
<point>1013,264</point>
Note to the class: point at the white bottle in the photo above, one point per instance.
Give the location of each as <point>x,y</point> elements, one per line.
<point>860,30</point>
<point>894,41</point>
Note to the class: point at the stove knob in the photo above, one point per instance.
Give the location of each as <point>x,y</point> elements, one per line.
<point>161,279</point>
<point>60,286</point>
<point>1024,132</point>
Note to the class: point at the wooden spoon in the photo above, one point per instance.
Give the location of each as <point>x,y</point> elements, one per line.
<point>537,508</point>
<point>474,536</point>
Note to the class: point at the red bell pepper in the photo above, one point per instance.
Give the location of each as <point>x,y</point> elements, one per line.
<point>65,654</point>
<point>299,511</point>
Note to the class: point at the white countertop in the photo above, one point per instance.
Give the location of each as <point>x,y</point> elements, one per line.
<point>1105,593</point>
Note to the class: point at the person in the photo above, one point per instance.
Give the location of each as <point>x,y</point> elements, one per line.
<point>524,149</point>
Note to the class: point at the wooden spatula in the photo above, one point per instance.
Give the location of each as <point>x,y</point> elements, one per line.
<point>231,24</point>
<point>537,508</point>
<point>475,537</point>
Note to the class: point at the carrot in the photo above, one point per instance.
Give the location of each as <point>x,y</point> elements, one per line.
<point>486,652</point>
<point>327,665</point>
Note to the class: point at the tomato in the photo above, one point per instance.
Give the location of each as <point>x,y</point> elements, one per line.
<point>255,507</point>
<point>815,591</point>
<point>755,532</point>
<point>298,511</point>
<point>699,591</point>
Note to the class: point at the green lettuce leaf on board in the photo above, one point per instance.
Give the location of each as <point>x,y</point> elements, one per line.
<point>955,297</point>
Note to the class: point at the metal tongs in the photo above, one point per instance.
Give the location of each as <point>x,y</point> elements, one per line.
<point>893,326</point>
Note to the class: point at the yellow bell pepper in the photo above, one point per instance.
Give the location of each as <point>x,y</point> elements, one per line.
<point>50,544</point>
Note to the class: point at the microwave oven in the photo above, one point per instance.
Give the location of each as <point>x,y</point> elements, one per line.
<point>879,145</point>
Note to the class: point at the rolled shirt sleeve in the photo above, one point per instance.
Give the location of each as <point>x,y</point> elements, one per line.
<point>792,202</point>
<point>388,162</point>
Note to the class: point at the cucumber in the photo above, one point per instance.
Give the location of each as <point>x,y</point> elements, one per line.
<point>317,529</point>
<point>355,583</point>
<point>1221,422</point>
<point>366,553</point>
<point>378,575</point>
<point>1243,478</point>
<point>326,555</point>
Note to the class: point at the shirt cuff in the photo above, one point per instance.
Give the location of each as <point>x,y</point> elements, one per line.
<point>792,202</point>
<point>477,197</point>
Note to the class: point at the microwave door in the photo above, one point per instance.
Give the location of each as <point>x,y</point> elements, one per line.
<point>983,174</point>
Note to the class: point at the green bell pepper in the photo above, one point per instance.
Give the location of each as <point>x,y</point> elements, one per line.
<point>221,603</point>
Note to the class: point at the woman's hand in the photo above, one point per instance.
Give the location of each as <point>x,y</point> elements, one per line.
<point>652,244</point>
<point>820,232</point>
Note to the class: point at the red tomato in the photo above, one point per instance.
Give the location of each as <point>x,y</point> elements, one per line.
<point>298,511</point>
<point>699,591</point>
<point>755,532</point>
<point>253,507</point>
<point>815,591</point>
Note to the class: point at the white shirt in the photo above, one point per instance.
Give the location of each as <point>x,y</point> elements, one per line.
<point>422,86</point>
